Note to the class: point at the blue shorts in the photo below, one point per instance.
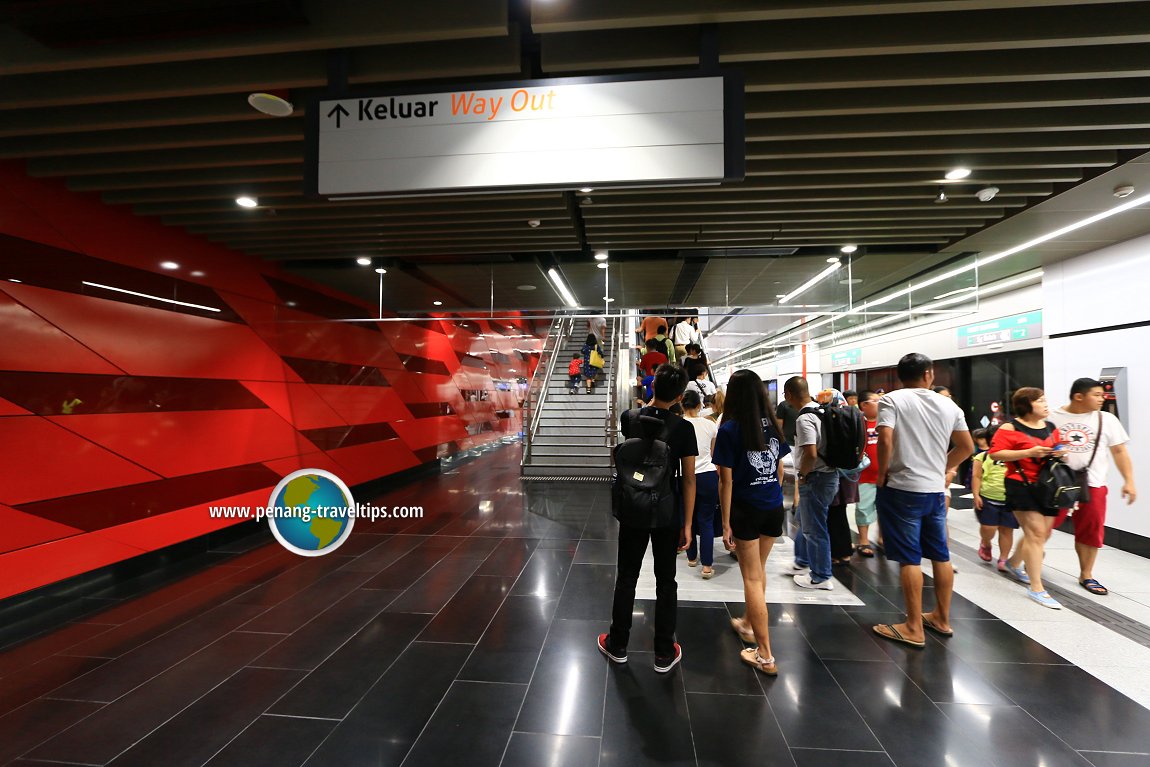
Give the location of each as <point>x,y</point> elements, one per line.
<point>997,514</point>
<point>913,526</point>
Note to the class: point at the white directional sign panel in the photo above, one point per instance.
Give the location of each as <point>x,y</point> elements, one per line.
<point>555,134</point>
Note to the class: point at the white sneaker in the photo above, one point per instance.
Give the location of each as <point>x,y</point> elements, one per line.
<point>804,580</point>
<point>796,568</point>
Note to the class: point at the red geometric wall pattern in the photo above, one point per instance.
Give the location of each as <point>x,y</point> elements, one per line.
<point>123,417</point>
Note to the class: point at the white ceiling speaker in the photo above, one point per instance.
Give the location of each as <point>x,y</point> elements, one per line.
<point>270,104</point>
<point>533,223</point>
<point>986,194</point>
<point>1125,190</point>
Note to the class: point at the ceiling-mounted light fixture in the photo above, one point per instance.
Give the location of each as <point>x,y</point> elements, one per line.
<point>247,202</point>
<point>169,265</point>
<point>1124,190</point>
<point>587,190</point>
<point>602,265</point>
<point>833,260</point>
<point>270,104</point>
<point>563,291</point>
<point>600,255</point>
<point>848,249</point>
<point>381,270</point>
<point>586,201</point>
<point>437,303</point>
<point>957,174</point>
<point>941,198</point>
<point>809,283</point>
<point>987,193</point>
<point>363,261</point>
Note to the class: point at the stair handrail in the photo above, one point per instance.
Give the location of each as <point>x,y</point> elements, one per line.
<point>609,430</point>
<point>557,332</point>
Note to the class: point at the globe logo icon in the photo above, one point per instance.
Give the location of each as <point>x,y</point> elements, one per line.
<point>311,512</point>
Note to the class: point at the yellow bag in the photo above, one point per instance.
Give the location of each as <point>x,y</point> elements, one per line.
<point>596,358</point>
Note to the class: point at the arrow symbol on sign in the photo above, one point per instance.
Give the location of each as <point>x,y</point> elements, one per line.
<point>339,112</point>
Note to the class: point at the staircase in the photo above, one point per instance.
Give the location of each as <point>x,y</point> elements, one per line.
<point>571,438</point>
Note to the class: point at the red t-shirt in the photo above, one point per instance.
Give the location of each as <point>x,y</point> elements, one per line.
<point>1005,439</point>
<point>650,361</point>
<point>869,475</point>
<point>574,368</point>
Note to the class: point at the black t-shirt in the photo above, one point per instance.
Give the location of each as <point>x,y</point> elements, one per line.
<point>789,417</point>
<point>679,433</point>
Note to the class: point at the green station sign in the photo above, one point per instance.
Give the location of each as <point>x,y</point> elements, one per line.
<point>1020,327</point>
<point>846,358</point>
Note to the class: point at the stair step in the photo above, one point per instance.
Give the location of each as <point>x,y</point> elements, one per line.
<point>569,460</point>
<point>588,429</point>
<point>576,441</point>
<point>573,451</point>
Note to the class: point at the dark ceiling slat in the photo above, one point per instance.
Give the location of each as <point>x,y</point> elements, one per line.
<point>1044,141</point>
<point>1121,116</point>
<point>766,216</point>
<point>165,160</point>
<point>240,176</point>
<point>284,206</point>
<point>938,164</point>
<point>543,209</point>
<point>332,25</point>
<point>743,192</point>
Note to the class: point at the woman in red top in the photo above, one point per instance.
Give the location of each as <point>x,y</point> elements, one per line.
<point>1023,445</point>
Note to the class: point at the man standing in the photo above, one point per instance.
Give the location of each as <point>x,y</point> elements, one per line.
<point>1085,431</point>
<point>818,483</point>
<point>669,385</point>
<point>915,426</point>
<point>684,333</point>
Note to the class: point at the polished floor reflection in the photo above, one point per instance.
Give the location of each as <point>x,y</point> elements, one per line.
<point>467,638</point>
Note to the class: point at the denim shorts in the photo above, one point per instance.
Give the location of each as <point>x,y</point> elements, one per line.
<point>913,525</point>
<point>997,514</point>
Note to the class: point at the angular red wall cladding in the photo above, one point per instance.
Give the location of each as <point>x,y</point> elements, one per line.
<point>123,417</point>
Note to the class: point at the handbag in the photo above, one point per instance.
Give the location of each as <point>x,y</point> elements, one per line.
<point>1057,486</point>
<point>1082,476</point>
<point>596,358</point>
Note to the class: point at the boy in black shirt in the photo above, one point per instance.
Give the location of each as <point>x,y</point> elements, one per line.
<point>669,384</point>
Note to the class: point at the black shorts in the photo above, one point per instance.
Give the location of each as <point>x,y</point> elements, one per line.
<point>749,522</point>
<point>1019,498</point>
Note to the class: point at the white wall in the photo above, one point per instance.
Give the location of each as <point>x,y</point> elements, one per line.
<point>937,336</point>
<point>1101,289</point>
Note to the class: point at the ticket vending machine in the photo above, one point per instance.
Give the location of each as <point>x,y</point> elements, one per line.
<point>1115,390</point>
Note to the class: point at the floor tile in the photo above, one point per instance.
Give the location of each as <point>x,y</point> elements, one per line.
<point>817,757</point>
<point>510,647</point>
<point>529,749</point>
<point>436,587</point>
<point>589,592</point>
<point>509,557</point>
<point>273,741</point>
<point>646,721</point>
<point>545,573</point>
<point>736,731</point>
<point>471,726</point>
<point>1015,738</point>
<point>565,696</point>
<point>465,617</point>
<point>324,634</point>
<point>592,552</point>
<point>31,724</point>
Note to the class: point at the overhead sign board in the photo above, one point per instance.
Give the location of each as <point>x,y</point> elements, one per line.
<point>1020,327</point>
<point>846,358</point>
<point>562,133</point>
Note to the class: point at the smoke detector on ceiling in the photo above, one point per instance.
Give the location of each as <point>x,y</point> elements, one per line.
<point>270,104</point>
<point>1125,190</point>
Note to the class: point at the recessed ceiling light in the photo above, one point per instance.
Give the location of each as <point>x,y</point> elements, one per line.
<point>853,281</point>
<point>526,287</point>
<point>169,265</point>
<point>848,249</point>
<point>437,303</point>
<point>833,260</point>
<point>957,174</point>
<point>247,202</point>
<point>608,299</point>
<point>941,198</point>
<point>602,265</point>
<point>270,104</point>
<point>587,190</point>
<point>381,270</point>
<point>780,295</point>
<point>600,255</point>
<point>290,303</point>
<point>196,273</point>
<point>13,279</point>
<point>363,261</point>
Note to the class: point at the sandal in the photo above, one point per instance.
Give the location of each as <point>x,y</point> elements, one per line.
<point>865,550</point>
<point>708,574</point>
<point>1094,587</point>
<point>692,563</point>
<point>744,633</point>
<point>893,635</point>
<point>751,657</point>
<point>933,627</point>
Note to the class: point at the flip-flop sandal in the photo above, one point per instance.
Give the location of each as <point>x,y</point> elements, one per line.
<point>708,575</point>
<point>930,625</point>
<point>1094,587</point>
<point>892,634</point>
<point>751,657</point>
<point>865,551</point>
<point>744,633</point>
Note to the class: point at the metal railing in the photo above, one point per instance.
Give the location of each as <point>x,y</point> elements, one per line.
<point>609,429</point>
<point>537,389</point>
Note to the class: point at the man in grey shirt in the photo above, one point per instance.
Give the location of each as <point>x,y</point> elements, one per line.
<point>818,484</point>
<point>915,426</point>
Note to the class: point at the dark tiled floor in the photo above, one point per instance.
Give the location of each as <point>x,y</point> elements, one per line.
<point>468,638</point>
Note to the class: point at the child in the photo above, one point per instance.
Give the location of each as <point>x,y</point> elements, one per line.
<point>866,513</point>
<point>988,485</point>
<point>575,370</point>
<point>592,353</point>
<point>706,486</point>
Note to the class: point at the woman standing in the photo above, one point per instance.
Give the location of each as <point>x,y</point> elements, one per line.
<point>592,360</point>
<point>1023,445</point>
<point>706,486</point>
<point>748,452</point>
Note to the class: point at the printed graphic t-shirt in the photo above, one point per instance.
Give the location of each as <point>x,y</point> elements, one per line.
<point>754,473</point>
<point>1079,433</point>
<point>869,475</point>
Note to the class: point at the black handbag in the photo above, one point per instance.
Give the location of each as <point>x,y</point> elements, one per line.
<point>1057,486</point>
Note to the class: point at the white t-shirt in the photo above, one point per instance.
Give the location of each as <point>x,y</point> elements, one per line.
<point>705,431</point>
<point>1079,433</point>
<point>809,431</point>
<point>704,386</point>
<point>923,423</point>
<point>684,333</point>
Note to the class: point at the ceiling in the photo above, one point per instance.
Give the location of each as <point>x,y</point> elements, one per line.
<point>854,111</point>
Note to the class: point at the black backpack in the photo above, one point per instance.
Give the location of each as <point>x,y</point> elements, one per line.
<point>642,484</point>
<point>1057,486</point>
<point>844,432</point>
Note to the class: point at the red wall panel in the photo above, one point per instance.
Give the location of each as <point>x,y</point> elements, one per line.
<point>65,460</point>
